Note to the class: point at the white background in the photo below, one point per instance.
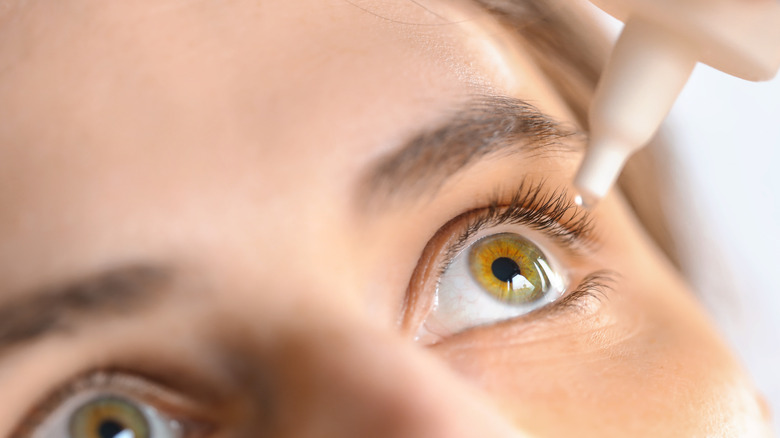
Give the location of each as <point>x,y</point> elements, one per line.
<point>724,202</point>
<point>726,134</point>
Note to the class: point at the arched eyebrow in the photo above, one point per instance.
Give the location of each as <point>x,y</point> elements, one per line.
<point>62,308</point>
<point>486,126</point>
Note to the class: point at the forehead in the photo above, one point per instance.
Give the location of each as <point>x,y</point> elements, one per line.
<point>94,80</point>
<point>155,71</point>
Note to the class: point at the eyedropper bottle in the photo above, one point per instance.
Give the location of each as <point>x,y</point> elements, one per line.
<point>652,60</point>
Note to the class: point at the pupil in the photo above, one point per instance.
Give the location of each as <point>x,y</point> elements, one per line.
<point>112,429</point>
<point>505,269</point>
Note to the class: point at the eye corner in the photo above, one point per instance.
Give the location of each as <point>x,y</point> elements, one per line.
<point>591,292</point>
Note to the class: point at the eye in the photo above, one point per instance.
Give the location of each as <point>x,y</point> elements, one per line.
<point>115,405</point>
<point>107,416</point>
<point>495,278</point>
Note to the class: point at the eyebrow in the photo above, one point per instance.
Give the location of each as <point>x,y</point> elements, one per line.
<point>61,308</point>
<point>486,126</point>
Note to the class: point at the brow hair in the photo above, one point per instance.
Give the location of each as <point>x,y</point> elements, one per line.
<point>485,125</point>
<point>55,308</point>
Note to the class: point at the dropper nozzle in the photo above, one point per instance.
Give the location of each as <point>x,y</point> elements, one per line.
<point>599,170</point>
<point>647,70</point>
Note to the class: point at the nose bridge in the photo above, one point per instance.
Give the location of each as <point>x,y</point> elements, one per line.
<point>327,369</point>
<point>354,381</point>
<point>315,243</point>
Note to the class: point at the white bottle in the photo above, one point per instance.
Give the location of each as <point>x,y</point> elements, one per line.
<point>655,54</point>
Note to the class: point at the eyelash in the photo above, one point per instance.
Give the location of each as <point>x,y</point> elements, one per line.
<point>552,213</point>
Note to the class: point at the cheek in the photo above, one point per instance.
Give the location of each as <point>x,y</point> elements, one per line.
<point>635,363</point>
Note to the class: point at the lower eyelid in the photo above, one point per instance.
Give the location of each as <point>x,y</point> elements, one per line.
<point>580,303</point>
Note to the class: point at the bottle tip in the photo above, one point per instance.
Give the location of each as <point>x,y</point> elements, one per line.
<point>599,170</point>
<point>586,200</point>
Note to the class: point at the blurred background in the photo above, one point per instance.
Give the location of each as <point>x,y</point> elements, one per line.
<point>723,201</point>
<point>726,211</point>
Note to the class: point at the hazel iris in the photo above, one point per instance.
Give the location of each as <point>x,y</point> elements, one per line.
<point>109,418</point>
<point>510,268</point>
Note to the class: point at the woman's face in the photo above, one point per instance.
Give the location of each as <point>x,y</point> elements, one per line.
<point>321,219</point>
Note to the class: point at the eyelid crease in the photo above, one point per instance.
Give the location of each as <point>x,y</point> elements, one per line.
<point>551,212</point>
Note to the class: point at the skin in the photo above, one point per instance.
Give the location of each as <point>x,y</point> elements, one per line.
<point>227,142</point>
